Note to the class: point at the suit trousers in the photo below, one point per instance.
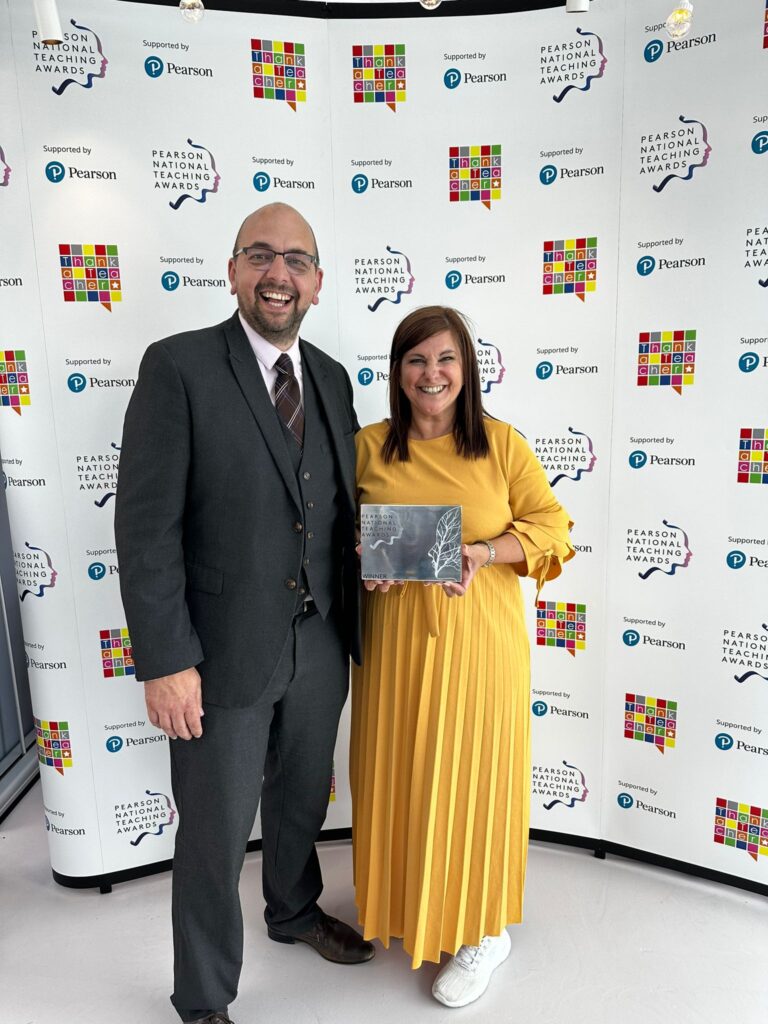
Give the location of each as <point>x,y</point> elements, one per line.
<point>287,739</point>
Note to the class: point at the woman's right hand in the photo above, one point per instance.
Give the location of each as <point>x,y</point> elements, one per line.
<point>381,585</point>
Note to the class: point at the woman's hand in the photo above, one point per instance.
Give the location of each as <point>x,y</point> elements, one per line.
<point>382,585</point>
<point>473,556</point>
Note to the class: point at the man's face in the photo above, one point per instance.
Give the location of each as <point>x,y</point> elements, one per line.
<point>273,301</point>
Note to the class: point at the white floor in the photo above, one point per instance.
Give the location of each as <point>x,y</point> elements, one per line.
<point>604,941</point>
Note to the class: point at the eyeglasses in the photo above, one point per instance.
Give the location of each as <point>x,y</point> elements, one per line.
<point>260,257</point>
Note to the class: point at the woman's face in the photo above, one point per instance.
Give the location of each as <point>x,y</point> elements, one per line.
<point>432,377</point>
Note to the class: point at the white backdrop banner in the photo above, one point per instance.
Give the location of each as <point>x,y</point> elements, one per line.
<point>586,190</point>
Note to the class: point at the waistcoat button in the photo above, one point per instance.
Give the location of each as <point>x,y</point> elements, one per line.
<point>290,584</point>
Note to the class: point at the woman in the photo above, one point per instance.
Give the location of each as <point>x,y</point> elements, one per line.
<point>440,750</point>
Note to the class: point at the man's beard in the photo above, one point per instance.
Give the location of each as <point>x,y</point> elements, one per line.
<point>259,320</point>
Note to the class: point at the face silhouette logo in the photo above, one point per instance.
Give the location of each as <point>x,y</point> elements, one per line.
<point>90,77</point>
<point>5,170</point>
<point>395,276</point>
<point>34,571</point>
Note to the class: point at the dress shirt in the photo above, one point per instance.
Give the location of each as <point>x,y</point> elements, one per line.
<point>267,355</point>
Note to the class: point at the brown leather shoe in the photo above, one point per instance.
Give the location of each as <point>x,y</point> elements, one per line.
<point>214,1018</point>
<point>333,940</point>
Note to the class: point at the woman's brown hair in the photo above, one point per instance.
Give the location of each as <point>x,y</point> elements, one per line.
<point>468,428</point>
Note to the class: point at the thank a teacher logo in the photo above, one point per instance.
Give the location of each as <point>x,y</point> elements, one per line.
<point>78,60</point>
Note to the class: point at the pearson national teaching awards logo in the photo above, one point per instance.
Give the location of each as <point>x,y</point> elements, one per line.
<point>474,174</point>
<point>387,277</point>
<point>577,62</point>
<point>570,267</point>
<point>666,359</point>
<point>742,827</point>
<point>279,71</point>
<point>378,74</point>
<point>650,720</point>
<point>753,456</point>
<point>5,170</point>
<point>674,153</point>
<point>14,380</point>
<point>185,173</point>
<point>35,573</point>
<point>561,624</point>
<point>54,747</point>
<point>661,550</point>
<point>116,653</point>
<point>490,365</point>
<point>78,60</point>
<point>564,457</point>
<point>147,815</point>
<point>747,650</point>
<point>562,784</point>
<point>90,273</point>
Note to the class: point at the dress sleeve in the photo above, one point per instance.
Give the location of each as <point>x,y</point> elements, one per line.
<point>539,522</point>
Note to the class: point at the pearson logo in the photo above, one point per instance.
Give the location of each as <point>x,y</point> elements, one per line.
<point>453,279</point>
<point>549,174</point>
<point>170,280</point>
<point>544,370</point>
<point>154,67</point>
<point>97,571</point>
<point>646,265</point>
<point>261,181</point>
<point>625,801</point>
<point>631,637</point>
<point>378,74</point>
<point>79,59</point>
<point>114,744</point>
<point>723,741</point>
<point>540,708</point>
<point>653,51</point>
<point>77,382</point>
<point>637,459</point>
<point>452,78</point>
<point>55,172</point>
<point>365,376</point>
<point>749,362</point>
<point>360,183</point>
<point>657,48</point>
<point>760,143</point>
<point>735,559</point>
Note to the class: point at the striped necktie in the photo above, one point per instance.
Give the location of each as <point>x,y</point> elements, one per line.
<point>288,398</point>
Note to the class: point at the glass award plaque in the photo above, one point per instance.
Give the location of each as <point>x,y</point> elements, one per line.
<point>411,542</point>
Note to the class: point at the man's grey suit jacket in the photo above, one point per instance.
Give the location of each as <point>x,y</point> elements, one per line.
<point>208,507</point>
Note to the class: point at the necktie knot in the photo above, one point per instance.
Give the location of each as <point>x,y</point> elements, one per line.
<point>284,364</point>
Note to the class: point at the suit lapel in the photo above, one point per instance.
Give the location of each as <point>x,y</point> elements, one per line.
<point>326,392</point>
<point>245,367</point>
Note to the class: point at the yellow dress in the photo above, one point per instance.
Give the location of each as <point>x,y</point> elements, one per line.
<point>440,747</point>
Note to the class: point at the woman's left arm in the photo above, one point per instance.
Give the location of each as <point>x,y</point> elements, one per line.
<point>505,548</point>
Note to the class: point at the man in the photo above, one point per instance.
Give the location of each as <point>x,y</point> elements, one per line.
<point>235,536</point>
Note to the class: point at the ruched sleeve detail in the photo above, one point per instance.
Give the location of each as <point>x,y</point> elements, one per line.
<point>539,522</point>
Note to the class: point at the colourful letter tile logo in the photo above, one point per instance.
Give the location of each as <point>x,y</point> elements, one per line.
<point>570,267</point>
<point>14,380</point>
<point>561,624</point>
<point>116,653</point>
<point>90,273</point>
<point>765,27</point>
<point>279,71</point>
<point>742,826</point>
<point>666,358</point>
<point>378,73</point>
<point>475,174</point>
<point>53,746</point>
<point>650,720</point>
<point>753,456</point>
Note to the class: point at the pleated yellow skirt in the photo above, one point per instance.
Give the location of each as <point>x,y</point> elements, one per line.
<point>440,764</point>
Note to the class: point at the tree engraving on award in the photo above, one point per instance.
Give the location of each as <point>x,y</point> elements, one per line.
<point>411,542</point>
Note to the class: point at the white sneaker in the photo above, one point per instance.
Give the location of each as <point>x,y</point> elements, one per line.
<point>465,977</point>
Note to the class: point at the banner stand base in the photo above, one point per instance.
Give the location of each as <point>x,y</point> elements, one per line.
<point>598,847</point>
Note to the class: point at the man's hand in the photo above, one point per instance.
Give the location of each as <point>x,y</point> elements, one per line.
<point>175,705</point>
